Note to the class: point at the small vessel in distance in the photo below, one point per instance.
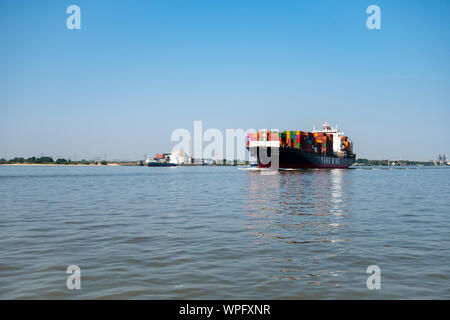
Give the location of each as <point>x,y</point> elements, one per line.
<point>326,148</point>
<point>161,160</point>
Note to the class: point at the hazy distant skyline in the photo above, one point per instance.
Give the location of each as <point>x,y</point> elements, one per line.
<point>137,70</point>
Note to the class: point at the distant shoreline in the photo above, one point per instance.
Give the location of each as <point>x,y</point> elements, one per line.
<point>59,165</point>
<point>185,165</point>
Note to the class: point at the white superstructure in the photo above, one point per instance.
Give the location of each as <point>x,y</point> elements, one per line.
<point>337,135</point>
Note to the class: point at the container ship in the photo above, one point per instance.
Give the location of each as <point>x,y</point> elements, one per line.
<point>326,148</point>
<point>161,160</point>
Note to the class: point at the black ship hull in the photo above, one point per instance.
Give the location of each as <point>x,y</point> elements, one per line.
<point>161,164</point>
<point>297,158</point>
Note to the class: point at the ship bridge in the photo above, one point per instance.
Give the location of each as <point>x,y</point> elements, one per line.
<point>326,128</point>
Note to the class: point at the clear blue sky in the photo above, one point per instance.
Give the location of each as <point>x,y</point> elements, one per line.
<point>139,69</point>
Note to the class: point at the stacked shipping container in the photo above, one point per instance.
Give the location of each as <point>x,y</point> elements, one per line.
<point>316,142</point>
<point>346,144</point>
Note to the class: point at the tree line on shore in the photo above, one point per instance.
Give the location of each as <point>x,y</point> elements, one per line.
<point>366,162</point>
<point>48,160</point>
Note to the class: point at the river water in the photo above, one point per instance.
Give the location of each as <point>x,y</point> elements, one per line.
<point>223,232</point>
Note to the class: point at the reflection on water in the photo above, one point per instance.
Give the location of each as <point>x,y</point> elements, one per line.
<point>302,213</point>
